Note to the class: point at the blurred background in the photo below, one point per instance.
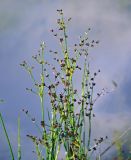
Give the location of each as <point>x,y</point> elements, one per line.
<point>25,24</point>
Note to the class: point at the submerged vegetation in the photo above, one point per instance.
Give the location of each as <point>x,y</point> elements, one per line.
<point>68,128</point>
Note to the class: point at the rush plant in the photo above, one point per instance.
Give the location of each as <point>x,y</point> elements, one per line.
<point>69,123</point>
<point>66,124</point>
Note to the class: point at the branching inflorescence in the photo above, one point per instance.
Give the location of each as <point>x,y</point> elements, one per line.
<point>65,128</point>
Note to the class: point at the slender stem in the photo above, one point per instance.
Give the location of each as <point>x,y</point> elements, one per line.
<point>65,36</point>
<point>42,107</point>
<point>42,82</point>
<point>39,156</point>
<point>42,79</point>
<point>7,138</point>
<point>89,131</point>
<point>58,150</point>
<point>19,145</point>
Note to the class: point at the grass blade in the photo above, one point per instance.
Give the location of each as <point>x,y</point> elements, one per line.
<point>6,135</point>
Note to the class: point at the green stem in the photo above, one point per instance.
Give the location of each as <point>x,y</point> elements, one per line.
<point>58,150</point>
<point>39,156</point>
<point>19,146</point>
<point>42,106</point>
<point>42,81</point>
<point>7,138</point>
<point>89,132</point>
<point>65,36</point>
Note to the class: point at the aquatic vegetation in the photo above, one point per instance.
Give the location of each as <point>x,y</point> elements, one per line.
<point>65,127</point>
<point>69,125</point>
